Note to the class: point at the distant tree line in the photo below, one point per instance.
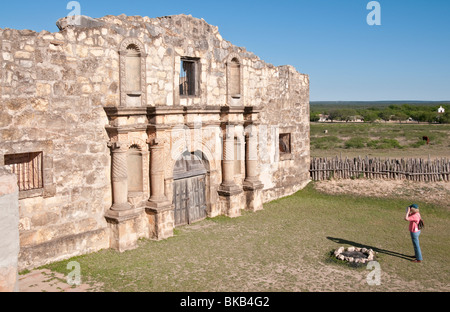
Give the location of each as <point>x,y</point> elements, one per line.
<point>393,112</point>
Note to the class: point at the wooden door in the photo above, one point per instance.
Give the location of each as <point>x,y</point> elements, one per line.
<point>180,201</point>
<point>189,200</point>
<point>189,189</point>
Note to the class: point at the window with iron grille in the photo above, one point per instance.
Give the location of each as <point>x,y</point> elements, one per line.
<point>188,77</point>
<point>28,169</point>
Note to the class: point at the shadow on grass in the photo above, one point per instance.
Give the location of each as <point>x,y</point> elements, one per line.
<point>381,251</point>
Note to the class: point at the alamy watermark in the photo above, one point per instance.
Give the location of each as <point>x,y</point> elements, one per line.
<point>74,276</point>
<point>74,16</point>
<point>374,17</point>
<point>210,140</point>
<point>374,277</point>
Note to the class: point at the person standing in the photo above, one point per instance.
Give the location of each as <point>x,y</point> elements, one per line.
<point>413,216</point>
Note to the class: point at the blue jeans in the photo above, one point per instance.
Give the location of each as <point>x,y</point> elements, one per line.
<point>415,241</point>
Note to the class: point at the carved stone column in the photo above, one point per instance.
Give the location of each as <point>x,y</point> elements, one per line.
<point>228,184</point>
<point>252,185</point>
<point>251,160</point>
<point>160,211</point>
<point>229,192</point>
<point>119,179</point>
<point>121,217</point>
<point>158,197</point>
<point>228,160</point>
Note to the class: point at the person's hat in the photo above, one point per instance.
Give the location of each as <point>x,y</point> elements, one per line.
<point>414,208</point>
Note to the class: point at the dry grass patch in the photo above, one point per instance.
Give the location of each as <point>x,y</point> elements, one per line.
<point>285,247</point>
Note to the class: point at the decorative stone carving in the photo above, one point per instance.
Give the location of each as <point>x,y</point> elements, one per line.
<point>230,194</point>
<point>228,162</point>
<point>119,178</point>
<point>252,185</point>
<point>121,216</point>
<point>251,158</point>
<point>159,209</point>
<point>158,198</point>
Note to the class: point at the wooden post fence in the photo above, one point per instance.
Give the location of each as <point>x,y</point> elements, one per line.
<point>413,169</point>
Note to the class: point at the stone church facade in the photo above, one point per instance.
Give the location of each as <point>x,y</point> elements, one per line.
<point>121,128</point>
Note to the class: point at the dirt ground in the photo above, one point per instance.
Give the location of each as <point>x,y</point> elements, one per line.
<point>47,281</point>
<point>437,193</point>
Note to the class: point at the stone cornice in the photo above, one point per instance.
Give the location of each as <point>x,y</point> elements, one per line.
<point>175,110</point>
<point>125,111</point>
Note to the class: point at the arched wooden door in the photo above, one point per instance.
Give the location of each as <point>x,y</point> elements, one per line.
<point>189,189</point>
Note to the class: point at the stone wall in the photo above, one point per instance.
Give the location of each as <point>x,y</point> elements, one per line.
<point>9,231</point>
<point>283,175</point>
<point>50,103</point>
<point>55,88</point>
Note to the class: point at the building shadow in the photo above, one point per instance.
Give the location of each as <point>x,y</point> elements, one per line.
<point>341,241</point>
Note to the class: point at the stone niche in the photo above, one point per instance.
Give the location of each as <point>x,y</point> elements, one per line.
<point>235,86</point>
<point>132,73</point>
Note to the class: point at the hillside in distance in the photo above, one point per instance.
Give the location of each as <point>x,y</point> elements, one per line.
<point>420,111</point>
<point>320,105</point>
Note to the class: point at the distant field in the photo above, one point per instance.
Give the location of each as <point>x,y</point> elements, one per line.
<point>380,140</point>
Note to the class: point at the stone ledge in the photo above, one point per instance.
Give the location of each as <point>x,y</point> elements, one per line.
<point>179,109</point>
<point>121,216</point>
<point>252,186</point>
<point>228,191</point>
<point>68,246</point>
<point>159,209</point>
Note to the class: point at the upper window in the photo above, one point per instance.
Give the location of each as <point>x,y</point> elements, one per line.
<point>285,143</point>
<point>188,77</point>
<point>28,169</point>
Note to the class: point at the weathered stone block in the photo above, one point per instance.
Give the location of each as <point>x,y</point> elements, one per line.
<point>44,219</point>
<point>40,104</point>
<point>78,22</point>
<point>9,231</point>
<point>22,55</point>
<point>43,89</point>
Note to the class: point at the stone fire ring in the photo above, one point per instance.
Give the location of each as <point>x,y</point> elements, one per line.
<point>354,254</point>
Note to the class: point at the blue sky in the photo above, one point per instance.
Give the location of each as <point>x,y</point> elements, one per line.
<point>407,57</point>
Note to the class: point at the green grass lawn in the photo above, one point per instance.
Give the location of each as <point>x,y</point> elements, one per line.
<point>379,139</point>
<point>285,247</point>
